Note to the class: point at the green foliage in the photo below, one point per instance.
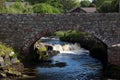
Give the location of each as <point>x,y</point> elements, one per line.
<point>2,7</point>
<point>60,33</point>
<point>36,1</point>
<point>16,8</point>
<point>2,10</point>
<point>42,49</point>
<point>98,2</point>
<point>55,3</point>
<point>85,3</point>
<point>18,5</point>
<point>62,5</point>
<point>109,6</point>
<point>115,6</point>
<point>70,35</point>
<point>5,49</point>
<point>28,9</point>
<point>19,8</point>
<point>69,4</point>
<point>106,7</point>
<point>45,8</point>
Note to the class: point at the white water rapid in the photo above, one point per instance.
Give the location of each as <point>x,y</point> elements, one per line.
<point>69,48</point>
<point>64,47</point>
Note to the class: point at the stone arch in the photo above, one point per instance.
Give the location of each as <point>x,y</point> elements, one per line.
<point>29,45</point>
<point>47,31</point>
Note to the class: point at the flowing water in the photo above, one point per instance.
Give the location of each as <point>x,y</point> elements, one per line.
<point>73,63</point>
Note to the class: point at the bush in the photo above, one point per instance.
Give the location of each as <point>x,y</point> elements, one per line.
<point>45,8</point>
<point>19,8</point>
<point>16,8</point>
<point>2,10</point>
<point>28,9</point>
<point>106,7</point>
<point>70,35</point>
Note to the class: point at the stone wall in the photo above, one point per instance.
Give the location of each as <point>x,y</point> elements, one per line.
<point>22,30</point>
<point>114,55</point>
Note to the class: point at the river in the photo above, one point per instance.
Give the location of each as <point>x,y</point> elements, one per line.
<point>77,63</point>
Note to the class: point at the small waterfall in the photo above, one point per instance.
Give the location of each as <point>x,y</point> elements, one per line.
<point>67,48</point>
<point>57,47</point>
<point>64,47</point>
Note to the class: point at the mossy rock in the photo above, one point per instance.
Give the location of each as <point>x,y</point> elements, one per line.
<point>42,49</point>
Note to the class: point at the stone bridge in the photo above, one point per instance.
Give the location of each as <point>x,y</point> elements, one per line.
<point>22,30</point>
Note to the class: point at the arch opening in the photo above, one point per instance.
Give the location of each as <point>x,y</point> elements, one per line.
<point>97,48</point>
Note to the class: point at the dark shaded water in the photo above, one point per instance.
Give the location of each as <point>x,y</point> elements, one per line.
<point>78,67</point>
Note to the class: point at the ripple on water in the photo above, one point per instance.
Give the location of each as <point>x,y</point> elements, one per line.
<point>78,67</point>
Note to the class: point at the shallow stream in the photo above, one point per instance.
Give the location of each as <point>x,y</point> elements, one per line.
<point>73,64</point>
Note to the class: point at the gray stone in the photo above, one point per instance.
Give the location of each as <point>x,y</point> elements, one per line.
<point>22,30</point>
<point>2,63</point>
<point>7,60</point>
<point>14,60</point>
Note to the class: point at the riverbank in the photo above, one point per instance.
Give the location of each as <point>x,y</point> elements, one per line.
<point>10,65</point>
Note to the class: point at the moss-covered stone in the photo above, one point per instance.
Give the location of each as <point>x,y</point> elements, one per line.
<point>9,63</point>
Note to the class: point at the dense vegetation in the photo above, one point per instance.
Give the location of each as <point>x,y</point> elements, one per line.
<point>105,6</point>
<point>71,35</point>
<point>45,8</point>
<point>58,6</point>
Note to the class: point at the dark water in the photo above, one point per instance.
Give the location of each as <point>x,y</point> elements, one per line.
<point>78,67</point>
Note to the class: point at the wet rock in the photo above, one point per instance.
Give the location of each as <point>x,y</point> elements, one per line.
<point>7,60</point>
<point>40,46</point>
<point>14,60</point>
<point>2,63</point>
<point>18,67</point>
<point>52,53</point>
<point>2,74</point>
<point>12,53</point>
<point>60,64</point>
<point>13,72</point>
